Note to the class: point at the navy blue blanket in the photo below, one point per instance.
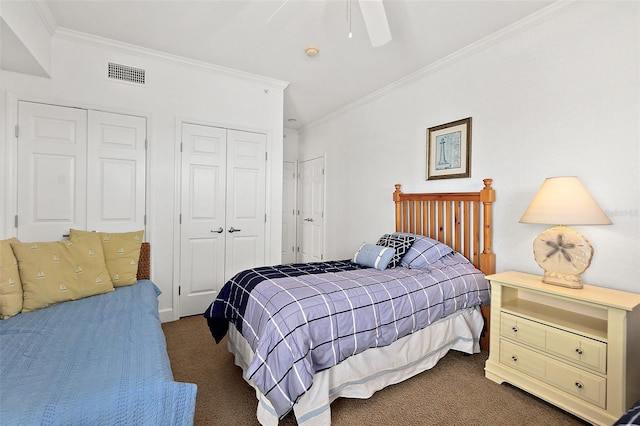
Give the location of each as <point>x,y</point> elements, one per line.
<point>631,417</point>
<point>220,314</point>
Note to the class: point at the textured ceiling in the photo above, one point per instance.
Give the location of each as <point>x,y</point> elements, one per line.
<point>268,38</point>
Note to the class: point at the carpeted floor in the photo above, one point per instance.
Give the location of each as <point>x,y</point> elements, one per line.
<point>454,392</point>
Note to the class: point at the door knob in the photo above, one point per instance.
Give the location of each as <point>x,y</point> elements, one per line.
<point>218,231</point>
<point>308,219</point>
<point>232,229</point>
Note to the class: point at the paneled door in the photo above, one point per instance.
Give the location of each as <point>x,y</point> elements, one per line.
<point>204,162</point>
<point>311,218</point>
<point>116,172</point>
<point>246,201</point>
<point>289,223</point>
<point>80,169</point>
<point>52,164</point>
<point>223,209</point>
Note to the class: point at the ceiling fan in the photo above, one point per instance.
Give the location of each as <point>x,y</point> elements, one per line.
<point>374,16</point>
<point>375,19</point>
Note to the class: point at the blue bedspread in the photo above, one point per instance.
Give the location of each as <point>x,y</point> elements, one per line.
<point>303,318</point>
<point>96,361</point>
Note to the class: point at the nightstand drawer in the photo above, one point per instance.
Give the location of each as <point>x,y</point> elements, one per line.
<point>582,350</point>
<point>580,383</point>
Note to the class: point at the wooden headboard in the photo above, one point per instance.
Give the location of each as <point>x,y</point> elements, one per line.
<point>461,220</point>
<point>144,263</point>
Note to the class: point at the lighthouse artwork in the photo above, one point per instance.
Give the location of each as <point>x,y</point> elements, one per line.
<point>449,150</point>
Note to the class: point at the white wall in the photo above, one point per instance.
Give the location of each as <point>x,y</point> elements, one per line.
<point>559,96</point>
<point>175,90</point>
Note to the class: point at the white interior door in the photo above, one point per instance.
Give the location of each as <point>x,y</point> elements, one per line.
<point>116,172</point>
<point>289,212</point>
<point>311,218</point>
<point>52,156</point>
<point>203,192</point>
<point>246,201</point>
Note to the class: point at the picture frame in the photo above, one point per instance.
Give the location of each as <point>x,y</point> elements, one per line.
<point>449,150</point>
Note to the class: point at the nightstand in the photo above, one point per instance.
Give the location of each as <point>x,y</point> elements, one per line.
<point>575,348</point>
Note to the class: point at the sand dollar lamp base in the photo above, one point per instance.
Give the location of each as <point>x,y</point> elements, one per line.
<point>564,255</point>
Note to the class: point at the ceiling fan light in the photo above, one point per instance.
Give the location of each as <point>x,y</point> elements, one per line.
<point>312,51</point>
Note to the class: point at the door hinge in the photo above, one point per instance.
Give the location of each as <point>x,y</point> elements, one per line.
<point>323,172</point>
<point>265,218</point>
<point>180,219</point>
<point>145,220</point>
<point>293,249</point>
<point>146,144</point>
<point>322,257</point>
<point>17,130</point>
<point>180,146</point>
<point>15,221</point>
<point>266,155</point>
<point>179,290</point>
<point>298,249</point>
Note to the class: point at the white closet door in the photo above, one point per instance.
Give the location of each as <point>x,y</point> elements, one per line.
<point>52,167</point>
<point>311,218</point>
<point>289,212</point>
<point>203,230</point>
<point>246,201</point>
<point>116,172</point>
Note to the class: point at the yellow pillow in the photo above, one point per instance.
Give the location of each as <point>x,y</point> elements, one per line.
<point>121,253</point>
<point>54,272</point>
<point>10,284</point>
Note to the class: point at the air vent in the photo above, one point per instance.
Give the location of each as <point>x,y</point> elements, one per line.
<point>125,73</point>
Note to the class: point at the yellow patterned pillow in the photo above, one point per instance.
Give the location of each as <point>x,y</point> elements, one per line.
<point>121,253</point>
<point>10,284</point>
<point>54,272</point>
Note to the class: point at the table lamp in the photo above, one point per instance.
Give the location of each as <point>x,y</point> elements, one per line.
<point>561,252</point>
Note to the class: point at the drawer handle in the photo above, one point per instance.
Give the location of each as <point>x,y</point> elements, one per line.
<point>579,351</point>
<point>514,329</point>
<point>579,385</point>
<point>514,358</point>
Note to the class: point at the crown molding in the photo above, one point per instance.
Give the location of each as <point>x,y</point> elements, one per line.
<point>114,45</point>
<point>43,10</point>
<point>543,15</point>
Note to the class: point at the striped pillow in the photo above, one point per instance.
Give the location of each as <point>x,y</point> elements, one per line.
<point>423,252</point>
<point>373,256</point>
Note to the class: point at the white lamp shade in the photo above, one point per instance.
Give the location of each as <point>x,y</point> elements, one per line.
<point>564,201</point>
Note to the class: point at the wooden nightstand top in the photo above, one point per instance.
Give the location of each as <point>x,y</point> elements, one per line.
<point>589,293</point>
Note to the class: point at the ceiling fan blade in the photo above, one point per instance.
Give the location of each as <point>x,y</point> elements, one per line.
<point>375,19</point>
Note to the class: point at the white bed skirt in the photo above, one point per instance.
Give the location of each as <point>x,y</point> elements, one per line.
<point>361,375</point>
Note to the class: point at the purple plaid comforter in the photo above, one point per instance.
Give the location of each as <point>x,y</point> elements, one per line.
<point>303,318</point>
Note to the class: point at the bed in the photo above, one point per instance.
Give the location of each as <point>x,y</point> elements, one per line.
<point>99,360</point>
<point>281,314</point>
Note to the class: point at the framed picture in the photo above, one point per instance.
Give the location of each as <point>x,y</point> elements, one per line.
<point>449,150</point>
